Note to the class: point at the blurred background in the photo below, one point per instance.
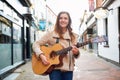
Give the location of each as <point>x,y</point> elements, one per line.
<point>24,21</point>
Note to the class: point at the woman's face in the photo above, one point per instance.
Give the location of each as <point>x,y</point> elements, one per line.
<point>63,20</point>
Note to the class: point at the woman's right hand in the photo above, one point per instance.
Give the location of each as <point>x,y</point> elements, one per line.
<point>44,59</point>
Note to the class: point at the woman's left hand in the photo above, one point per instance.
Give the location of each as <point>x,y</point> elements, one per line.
<point>75,50</point>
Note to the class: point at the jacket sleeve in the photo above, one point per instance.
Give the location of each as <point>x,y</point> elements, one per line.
<point>36,45</point>
<point>76,40</point>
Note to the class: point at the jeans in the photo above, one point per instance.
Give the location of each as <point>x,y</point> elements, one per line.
<point>61,75</point>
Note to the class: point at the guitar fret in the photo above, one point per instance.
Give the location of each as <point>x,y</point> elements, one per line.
<point>82,44</point>
<point>64,51</point>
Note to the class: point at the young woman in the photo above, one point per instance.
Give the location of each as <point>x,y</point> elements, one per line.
<point>63,35</point>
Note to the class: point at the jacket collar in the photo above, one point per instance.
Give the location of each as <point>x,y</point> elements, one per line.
<point>65,35</point>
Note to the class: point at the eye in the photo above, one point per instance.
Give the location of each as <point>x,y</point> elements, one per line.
<point>65,18</point>
<point>60,18</point>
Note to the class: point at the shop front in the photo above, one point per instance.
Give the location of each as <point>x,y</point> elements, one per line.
<point>11,44</point>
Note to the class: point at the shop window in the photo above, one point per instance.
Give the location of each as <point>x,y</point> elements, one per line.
<point>16,33</point>
<point>17,43</point>
<point>5,39</point>
<point>89,31</point>
<point>5,33</point>
<point>106,32</point>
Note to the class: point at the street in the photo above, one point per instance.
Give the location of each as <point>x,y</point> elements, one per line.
<point>88,67</point>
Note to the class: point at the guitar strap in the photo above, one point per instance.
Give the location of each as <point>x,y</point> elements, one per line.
<point>70,59</point>
<point>57,40</point>
<point>69,54</point>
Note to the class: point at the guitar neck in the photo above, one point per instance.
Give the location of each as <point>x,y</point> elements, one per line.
<point>82,44</point>
<point>65,50</point>
<point>91,40</point>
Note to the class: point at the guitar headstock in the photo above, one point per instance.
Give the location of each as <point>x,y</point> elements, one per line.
<point>99,39</point>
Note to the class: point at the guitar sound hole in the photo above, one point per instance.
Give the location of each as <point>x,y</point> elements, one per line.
<point>53,54</point>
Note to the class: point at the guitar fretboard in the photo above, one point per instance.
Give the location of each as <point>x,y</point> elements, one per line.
<point>93,40</point>
<point>65,50</point>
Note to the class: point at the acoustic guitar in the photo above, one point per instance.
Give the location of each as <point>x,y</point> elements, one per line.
<point>55,55</point>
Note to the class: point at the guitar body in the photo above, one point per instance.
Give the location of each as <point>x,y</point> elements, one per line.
<point>37,65</point>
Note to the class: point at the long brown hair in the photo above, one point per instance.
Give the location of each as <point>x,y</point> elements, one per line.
<point>58,28</point>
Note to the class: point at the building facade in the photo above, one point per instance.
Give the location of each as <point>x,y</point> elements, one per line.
<point>109,25</point>
<point>15,20</point>
<point>20,25</point>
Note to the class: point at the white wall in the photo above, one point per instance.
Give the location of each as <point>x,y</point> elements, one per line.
<point>112,52</point>
<point>18,6</point>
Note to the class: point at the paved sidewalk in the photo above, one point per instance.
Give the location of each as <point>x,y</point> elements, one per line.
<point>88,67</point>
<point>91,67</point>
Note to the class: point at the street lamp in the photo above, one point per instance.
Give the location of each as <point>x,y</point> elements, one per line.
<point>101,13</point>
